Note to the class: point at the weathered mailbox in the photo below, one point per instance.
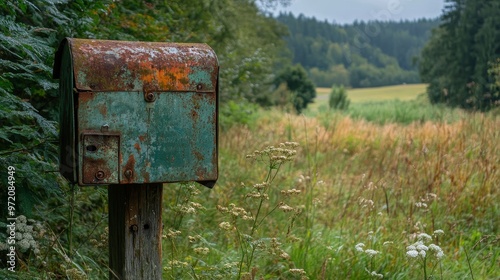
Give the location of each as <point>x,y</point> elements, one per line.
<point>137,112</point>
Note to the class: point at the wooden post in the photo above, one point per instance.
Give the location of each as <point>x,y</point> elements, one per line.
<point>135,231</point>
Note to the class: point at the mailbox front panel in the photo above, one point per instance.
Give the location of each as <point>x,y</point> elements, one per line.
<point>168,140</point>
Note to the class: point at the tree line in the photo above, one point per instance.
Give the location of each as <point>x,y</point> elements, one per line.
<point>361,54</point>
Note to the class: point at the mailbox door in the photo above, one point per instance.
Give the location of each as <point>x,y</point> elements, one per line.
<point>171,139</point>
<point>100,161</point>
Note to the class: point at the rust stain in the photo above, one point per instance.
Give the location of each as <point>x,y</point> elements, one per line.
<point>199,156</point>
<point>145,175</point>
<point>194,115</point>
<point>103,109</point>
<point>90,169</point>
<point>85,97</point>
<point>130,165</point>
<point>137,147</point>
<point>103,65</point>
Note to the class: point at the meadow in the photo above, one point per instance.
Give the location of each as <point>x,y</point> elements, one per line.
<point>327,196</point>
<point>323,195</point>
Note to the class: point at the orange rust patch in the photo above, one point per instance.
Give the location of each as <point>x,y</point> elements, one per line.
<point>85,97</point>
<point>137,147</point>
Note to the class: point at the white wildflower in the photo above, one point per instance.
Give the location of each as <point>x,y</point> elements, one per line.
<point>422,247</point>
<point>298,271</point>
<point>286,208</point>
<point>439,254</point>
<point>423,236</point>
<point>371,252</point>
<point>412,253</point>
<point>225,225</point>
<point>377,275</point>
<point>285,256</point>
<point>359,247</point>
<point>411,248</point>
<point>438,232</point>
<point>201,250</point>
<point>434,247</point>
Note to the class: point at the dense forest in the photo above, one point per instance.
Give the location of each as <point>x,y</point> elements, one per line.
<point>361,54</point>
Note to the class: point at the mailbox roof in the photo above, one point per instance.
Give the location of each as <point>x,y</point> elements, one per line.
<point>104,65</point>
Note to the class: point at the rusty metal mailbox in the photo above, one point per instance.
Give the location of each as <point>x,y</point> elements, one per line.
<point>137,112</point>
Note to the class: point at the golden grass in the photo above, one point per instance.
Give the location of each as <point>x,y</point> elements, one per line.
<point>363,182</point>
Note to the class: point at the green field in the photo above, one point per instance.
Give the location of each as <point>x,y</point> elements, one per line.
<point>359,95</point>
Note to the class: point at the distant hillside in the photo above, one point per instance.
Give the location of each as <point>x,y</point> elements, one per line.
<point>362,54</point>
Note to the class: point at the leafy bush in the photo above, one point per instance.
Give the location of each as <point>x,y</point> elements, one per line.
<point>297,82</point>
<point>233,112</point>
<point>338,98</point>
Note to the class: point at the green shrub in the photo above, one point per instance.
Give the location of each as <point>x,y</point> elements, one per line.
<point>233,112</point>
<point>338,98</point>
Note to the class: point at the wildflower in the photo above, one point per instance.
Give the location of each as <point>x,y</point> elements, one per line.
<point>285,256</point>
<point>290,192</point>
<point>225,225</point>
<point>222,209</point>
<point>297,271</point>
<point>412,253</point>
<point>196,205</point>
<point>423,236</point>
<point>375,274</point>
<point>359,247</point>
<point>173,233</point>
<point>261,186</point>
<point>286,208</point>
<point>438,232</point>
<point>371,252</point>
<point>421,205</point>
<point>201,250</point>
<point>438,251</point>
<point>422,247</point>
<point>439,254</point>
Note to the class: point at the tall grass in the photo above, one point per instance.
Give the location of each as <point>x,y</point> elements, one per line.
<point>383,185</point>
<point>355,200</point>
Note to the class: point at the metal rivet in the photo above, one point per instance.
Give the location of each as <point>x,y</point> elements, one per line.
<point>128,173</point>
<point>134,228</point>
<point>199,86</point>
<point>99,175</point>
<point>105,128</point>
<point>150,97</point>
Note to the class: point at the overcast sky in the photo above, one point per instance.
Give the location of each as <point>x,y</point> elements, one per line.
<point>346,11</point>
